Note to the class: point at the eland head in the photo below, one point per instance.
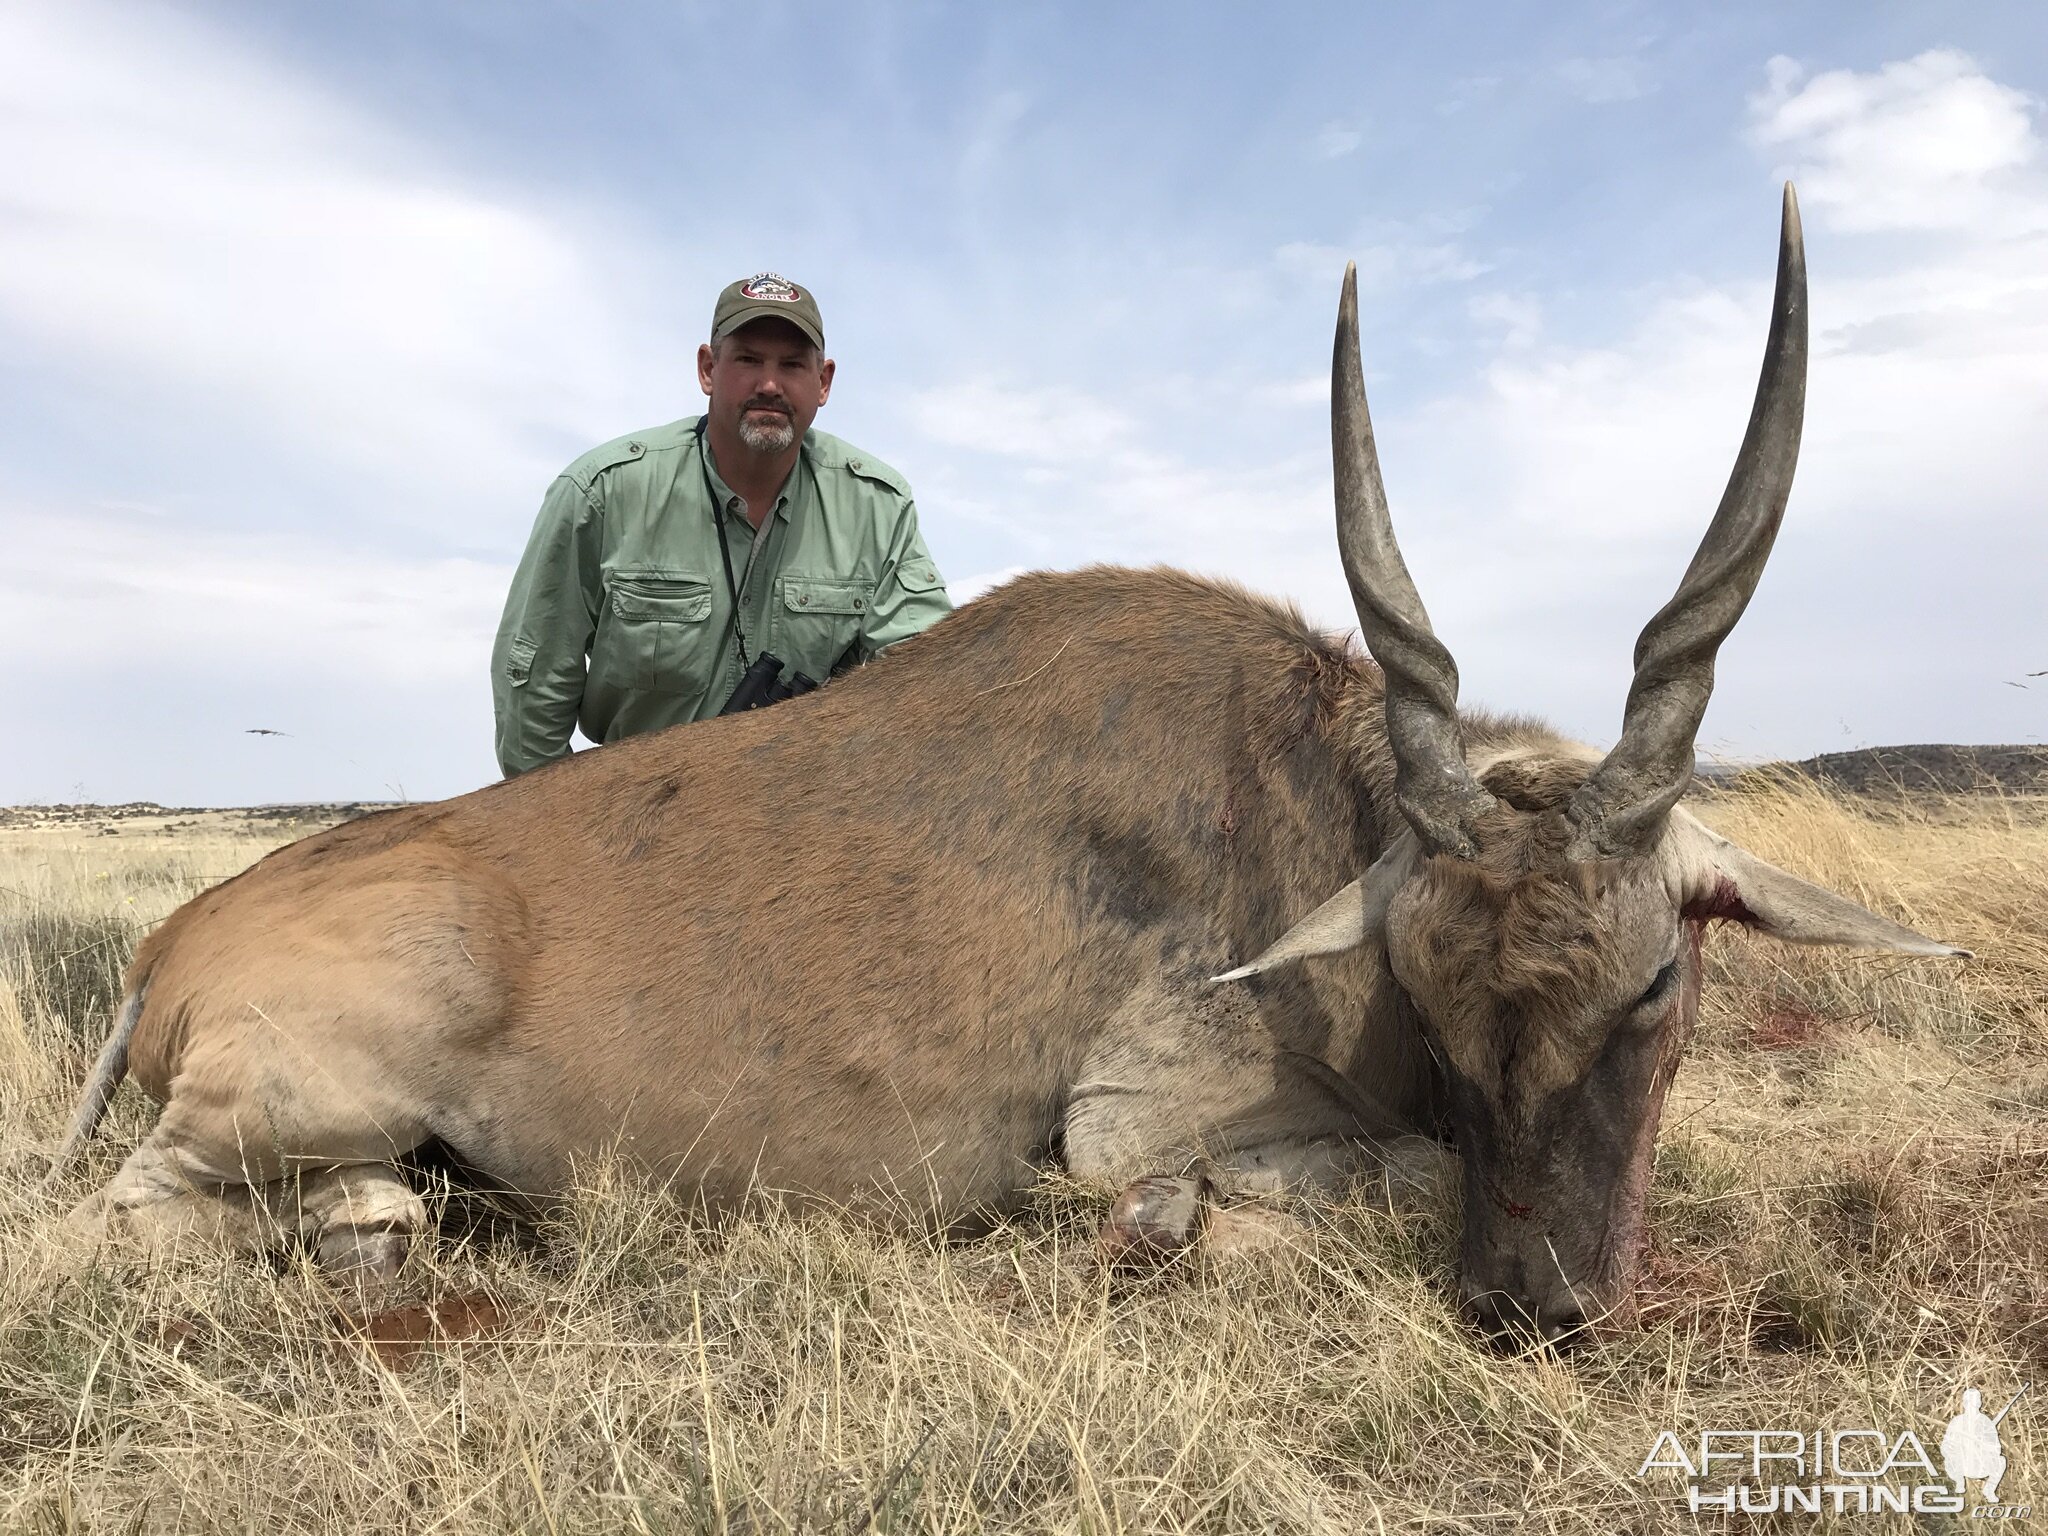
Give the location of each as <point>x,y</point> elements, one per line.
<point>1542,913</point>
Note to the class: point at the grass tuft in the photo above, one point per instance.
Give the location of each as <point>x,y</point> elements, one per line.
<point>68,965</point>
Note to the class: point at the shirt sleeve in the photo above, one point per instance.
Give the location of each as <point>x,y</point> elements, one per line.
<point>911,596</point>
<point>538,661</point>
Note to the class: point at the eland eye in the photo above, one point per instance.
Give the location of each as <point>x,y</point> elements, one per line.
<point>1660,988</point>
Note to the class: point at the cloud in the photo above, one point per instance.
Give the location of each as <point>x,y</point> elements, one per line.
<point>206,226</point>
<point>1310,389</point>
<point>1601,82</point>
<point>292,601</point>
<point>296,312</point>
<point>965,589</point>
<point>1333,141</point>
<point>1469,91</point>
<point>1025,423</point>
<point>991,135</point>
<point>1549,502</point>
<point>206,237</point>
<point>1897,579</point>
<point>146,649</point>
<point>1916,371</point>
<point>1072,478</point>
<point>1519,316</point>
<point>1382,263</point>
<point>1928,143</point>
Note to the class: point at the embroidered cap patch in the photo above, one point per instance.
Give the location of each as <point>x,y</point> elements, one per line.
<point>767,285</point>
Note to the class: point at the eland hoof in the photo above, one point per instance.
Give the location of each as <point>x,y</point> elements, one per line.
<point>1153,1222</point>
<point>369,1261</point>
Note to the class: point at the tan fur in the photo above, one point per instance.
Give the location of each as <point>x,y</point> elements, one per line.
<point>858,946</point>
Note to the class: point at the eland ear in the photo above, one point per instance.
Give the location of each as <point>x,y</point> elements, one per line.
<point>1731,882</point>
<point>1343,922</point>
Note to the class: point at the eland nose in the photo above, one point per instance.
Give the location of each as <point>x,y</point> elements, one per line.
<point>1508,1320</point>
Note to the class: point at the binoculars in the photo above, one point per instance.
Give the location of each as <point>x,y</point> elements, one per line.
<point>762,684</point>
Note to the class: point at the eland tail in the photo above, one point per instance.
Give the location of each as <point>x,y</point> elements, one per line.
<point>106,1076</point>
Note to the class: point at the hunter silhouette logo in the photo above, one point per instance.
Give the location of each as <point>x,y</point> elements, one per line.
<point>1856,1470</point>
<point>1970,1451</point>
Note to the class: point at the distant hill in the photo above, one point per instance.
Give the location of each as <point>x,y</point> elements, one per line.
<point>1930,769</point>
<point>148,816</point>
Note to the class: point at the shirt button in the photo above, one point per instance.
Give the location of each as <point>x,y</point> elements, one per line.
<point>804,601</point>
<point>853,463</point>
<point>636,447</point>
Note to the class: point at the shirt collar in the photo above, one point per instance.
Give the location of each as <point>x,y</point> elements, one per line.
<point>731,507</point>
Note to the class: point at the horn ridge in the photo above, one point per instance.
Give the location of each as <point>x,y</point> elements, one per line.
<point>1622,806</point>
<point>1433,784</point>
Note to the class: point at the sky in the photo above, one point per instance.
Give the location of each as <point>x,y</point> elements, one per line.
<point>302,307</point>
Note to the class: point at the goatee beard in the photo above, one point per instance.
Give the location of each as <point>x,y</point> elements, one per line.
<point>763,436</point>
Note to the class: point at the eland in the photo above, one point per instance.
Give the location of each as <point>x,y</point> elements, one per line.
<point>906,942</point>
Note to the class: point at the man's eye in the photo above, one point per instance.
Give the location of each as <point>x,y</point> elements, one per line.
<point>1662,985</point>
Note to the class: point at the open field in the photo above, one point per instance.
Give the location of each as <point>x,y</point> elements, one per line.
<point>1849,1225</point>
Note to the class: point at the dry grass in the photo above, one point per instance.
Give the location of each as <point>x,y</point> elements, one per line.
<point>1850,1223</point>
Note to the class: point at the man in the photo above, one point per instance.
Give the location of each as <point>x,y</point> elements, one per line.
<point>662,564</point>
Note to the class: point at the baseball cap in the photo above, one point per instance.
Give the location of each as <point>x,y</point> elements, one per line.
<point>766,295</point>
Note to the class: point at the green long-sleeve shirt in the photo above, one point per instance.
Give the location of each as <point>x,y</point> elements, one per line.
<point>619,617</point>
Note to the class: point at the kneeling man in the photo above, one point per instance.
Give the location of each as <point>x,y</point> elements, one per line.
<point>663,564</point>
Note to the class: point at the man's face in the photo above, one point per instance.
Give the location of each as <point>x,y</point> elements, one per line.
<point>766,381</point>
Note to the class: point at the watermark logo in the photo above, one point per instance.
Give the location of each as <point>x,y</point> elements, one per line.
<point>1860,1470</point>
<point>1970,1451</point>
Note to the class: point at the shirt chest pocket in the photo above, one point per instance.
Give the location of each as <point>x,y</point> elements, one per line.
<point>656,634</point>
<point>818,619</point>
